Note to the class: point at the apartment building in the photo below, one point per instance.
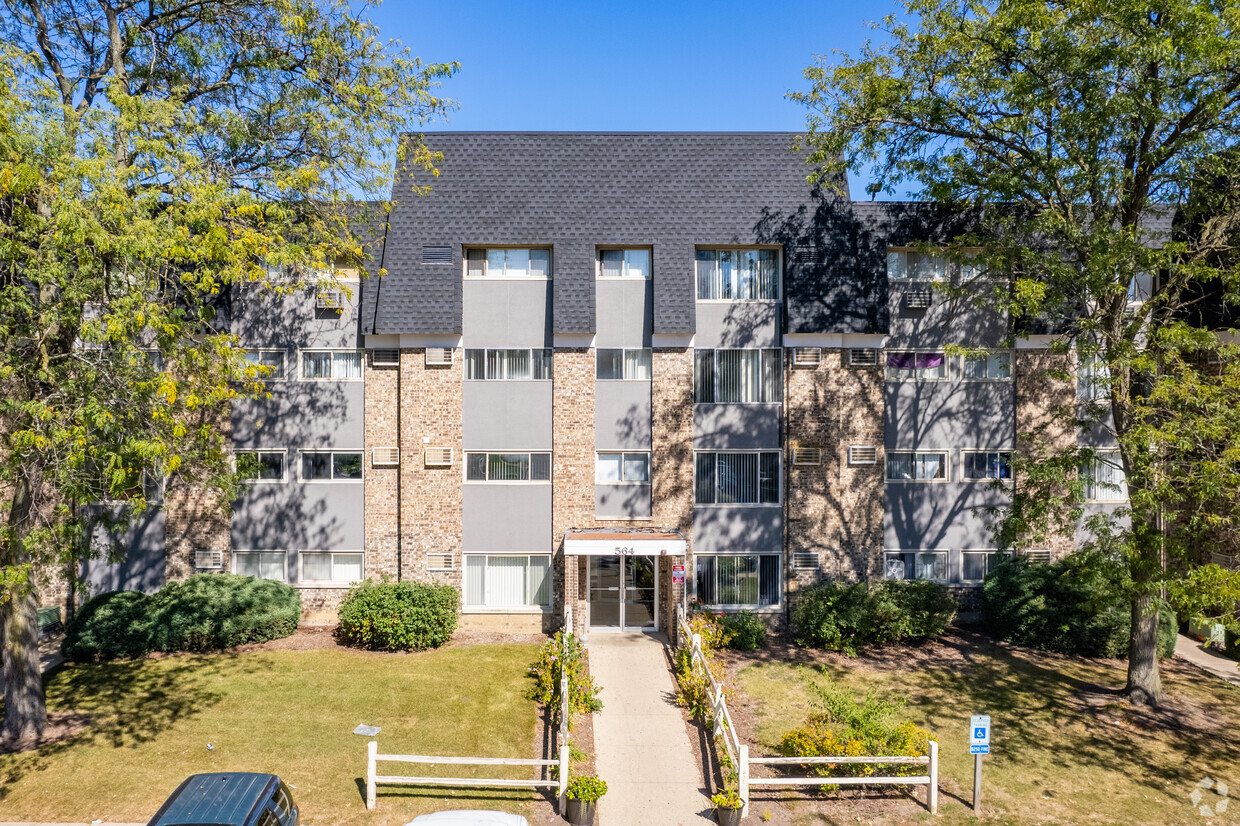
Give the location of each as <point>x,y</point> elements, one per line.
<point>617,371</point>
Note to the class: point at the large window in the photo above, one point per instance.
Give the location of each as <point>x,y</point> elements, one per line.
<point>910,265</point>
<point>336,365</point>
<point>508,263</point>
<point>521,364</point>
<point>613,468</point>
<point>622,365</point>
<point>916,466</point>
<point>974,565</point>
<point>729,275</point>
<point>1104,477</point>
<point>331,466</point>
<point>750,581</point>
<point>507,581</point>
<point>988,464</point>
<point>334,566</point>
<point>260,465</point>
<point>920,366</point>
<point>736,478</point>
<point>268,364</point>
<point>507,467</point>
<point>931,565</point>
<point>626,263</point>
<point>737,376</point>
<point>992,366</point>
<point>260,564</point>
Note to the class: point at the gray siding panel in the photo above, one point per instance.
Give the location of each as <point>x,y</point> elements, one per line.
<point>736,426</point>
<point>143,558</point>
<point>722,529</point>
<point>507,313</point>
<point>625,316</point>
<point>945,415</point>
<point>264,320</point>
<point>954,319</point>
<point>326,516</point>
<point>622,415</point>
<point>622,501</point>
<point>506,415</point>
<point>512,518</point>
<point>302,414</point>
<point>737,324</point>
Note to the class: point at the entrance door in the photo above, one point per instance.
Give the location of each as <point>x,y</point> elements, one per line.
<point>623,592</point>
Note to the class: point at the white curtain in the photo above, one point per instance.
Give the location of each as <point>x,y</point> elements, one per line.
<point>347,365</point>
<point>505,580</point>
<point>475,580</point>
<point>607,468</point>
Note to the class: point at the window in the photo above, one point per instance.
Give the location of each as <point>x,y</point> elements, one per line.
<point>736,478</point>
<point>974,565</point>
<point>1104,477</point>
<point>508,365</point>
<point>507,467</point>
<point>751,581</point>
<point>331,466</point>
<point>268,364</point>
<point>611,468</point>
<point>931,565</point>
<point>910,265</point>
<point>922,366</point>
<point>1092,379</point>
<point>737,376</point>
<point>729,275</point>
<point>910,466</point>
<point>989,464</point>
<point>260,465</point>
<point>259,564</point>
<point>507,581</point>
<point>622,365</point>
<point>626,263</point>
<point>992,366</point>
<point>338,365</point>
<point>332,566</point>
<point>508,263</point>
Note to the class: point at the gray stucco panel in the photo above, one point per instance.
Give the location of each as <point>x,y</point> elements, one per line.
<point>737,324</point>
<point>736,426</point>
<point>946,415</point>
<point>622,415</point>
<point>624,315</point>
<point>506,415</point>
<point>314,516</point>
<point>622,501</point>
<point>722,529</point>
<point>302,414</point>
<point>507,518</point>
<point>507,313</point>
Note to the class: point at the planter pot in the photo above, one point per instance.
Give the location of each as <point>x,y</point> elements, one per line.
<point>728,816</point>
<point>581,812</point>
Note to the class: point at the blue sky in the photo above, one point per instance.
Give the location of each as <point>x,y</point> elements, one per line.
<point>628,66</point>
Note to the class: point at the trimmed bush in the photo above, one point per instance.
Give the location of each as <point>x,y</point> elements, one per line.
<point>399,616</point>
<point>206,611</point>
<point>849,617</point>
<point>745,631</point>
<point>1077,606</point>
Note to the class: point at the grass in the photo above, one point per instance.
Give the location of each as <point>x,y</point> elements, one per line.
<point>287,712</point>
<point>1065,747</point>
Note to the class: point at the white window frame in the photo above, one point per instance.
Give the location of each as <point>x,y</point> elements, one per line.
<point>624,361</point>
<point>257,351</point>
<point>779,273</point>
<point>964,465</point>
<point>328,583</point>
<point>301,363</point>
<point>486,263</point>
<point>624,266</point>
<point>943,552</point>
<point>236,555</point>
<point>945,464</point>
<point>623,454</point>
<point>945,269</point>
<point>486,362</point>
<point>989,553</point>
<point>301,477</point>
<point>887,368</point>
<point>283,477</point>
<point>1094,492</point>
<point>990,356</point>
<point>529,607</point>
<point>1092,376</point>
<point>715,372</point>
<point>742,606</point>
<point>779,480</point>
<point>489,453</point>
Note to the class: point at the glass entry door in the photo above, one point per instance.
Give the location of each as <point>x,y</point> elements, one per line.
<point>623,592</point>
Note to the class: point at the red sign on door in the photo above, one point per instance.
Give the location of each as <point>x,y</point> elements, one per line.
<point>678,574</point>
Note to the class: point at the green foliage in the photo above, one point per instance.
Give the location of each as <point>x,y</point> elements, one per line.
<point>727,799</point>
<point>1079,605</point>
<point>563,653</point>
<point>844,726</point>
<point>692,685</point>
<point>745,631</point>
<point>585,787</point>
<point>398,616</point>
<point>206,611</point>
<point>849,617</point>
<point>712,630</point>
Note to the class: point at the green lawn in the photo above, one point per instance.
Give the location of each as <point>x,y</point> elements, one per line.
<point>1065,749</point>
<point>288,712</point>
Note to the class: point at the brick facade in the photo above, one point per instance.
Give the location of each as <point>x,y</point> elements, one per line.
<point>195,520</point>
<point>382,429</point>
<point>572,455</point>
<point>1045,419</point>
<point>671,465</point>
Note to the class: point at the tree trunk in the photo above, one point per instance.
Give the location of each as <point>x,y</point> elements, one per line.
<point>1144,683</point>
<point>25,708</point>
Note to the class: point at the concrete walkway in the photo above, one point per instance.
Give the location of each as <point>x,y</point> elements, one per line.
<point>640,744</point>
<point>1186,648</point>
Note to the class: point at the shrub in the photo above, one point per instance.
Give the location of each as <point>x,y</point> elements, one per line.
<point>563,651</point>
<point>692,686</point>
<point>585,787</point>
<point>711,629</point>
<point>398,616</point>
<point>849,617</point>
<point>1077,606</point>
<point>745,631</point>
<point>206,611</point>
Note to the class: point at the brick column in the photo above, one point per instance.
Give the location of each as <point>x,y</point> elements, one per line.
<point>671,411</point>
<point>1045,421</point>
<point>572,497</point>
<point>194,520</point>
<point>382,503</point>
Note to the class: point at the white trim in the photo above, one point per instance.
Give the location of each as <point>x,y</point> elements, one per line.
<point>283,552</point>
<point>361,453</point>
<point>836,341</point>
<point>622,454</point>
<point>986,353</point>
<point>964,464</point>
<point>779,501</point>
<point>465,480</point>
<point>381,341</point>
<point>947,552</point>
<point>1043,342</point>
<point>625,547</point>
<point>947,364</point>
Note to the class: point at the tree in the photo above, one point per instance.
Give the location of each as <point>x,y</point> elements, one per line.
<point>1075,129</point>
<point>153,156</point>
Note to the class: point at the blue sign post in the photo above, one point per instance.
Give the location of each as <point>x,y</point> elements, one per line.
<point>979,744</point>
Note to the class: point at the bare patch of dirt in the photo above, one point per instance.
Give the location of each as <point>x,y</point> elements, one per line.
<point>61,726</point>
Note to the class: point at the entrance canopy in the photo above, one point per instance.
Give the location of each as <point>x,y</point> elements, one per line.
<point>624,542</point>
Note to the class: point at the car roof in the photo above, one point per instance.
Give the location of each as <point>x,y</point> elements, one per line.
<point>469,817</point>
<point>218,799</point>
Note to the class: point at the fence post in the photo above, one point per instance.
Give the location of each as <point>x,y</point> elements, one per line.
<point>718,711</point>
<point>372,751</point>
<point>742,779</point>
<point>563,799</point>
<point>932,796</point>
<point>697,647</point>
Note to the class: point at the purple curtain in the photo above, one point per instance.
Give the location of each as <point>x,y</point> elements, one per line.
<point>902,361</point>
<point>929,360</point>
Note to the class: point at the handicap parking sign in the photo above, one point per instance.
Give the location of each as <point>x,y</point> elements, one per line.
<point>979,734</point>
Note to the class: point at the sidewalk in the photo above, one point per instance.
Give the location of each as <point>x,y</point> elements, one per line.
<point>1186,648</point>
<point>641,747</point>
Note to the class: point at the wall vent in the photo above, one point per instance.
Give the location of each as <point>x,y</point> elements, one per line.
<point>1038,556</point>
<point>863,358</point>
<point>807,356</point>
<point>328,300</point>
<point>805,254</point>
<point>862,455</point>
<point>919,298</point>
<point>208,560</point>
<point>805,561</point>
<point>439,457</point>
<point>806,455</point>
<point>439,562</point>
<point>438,356</point>
<point>384,457</point>
<point>386,357</point>
<point>436,254</point>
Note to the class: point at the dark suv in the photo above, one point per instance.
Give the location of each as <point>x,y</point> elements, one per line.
<point>229,799</point>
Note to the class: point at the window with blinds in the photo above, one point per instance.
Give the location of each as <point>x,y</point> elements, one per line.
<point>737,376</point>
<point>521,364</point>
<point>749,581</point>
<point>731,275</point>
<point>259,564</point>
<point>624,263</point>
<point>508,263</point>
<point>622,364</point>
<point>736,478</point>
<point>1104,477</point>
<point>336,365</point>
<point>910,466</point>
<point>507,581</point>
<point>331,566</point>
<point>507,467</point>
